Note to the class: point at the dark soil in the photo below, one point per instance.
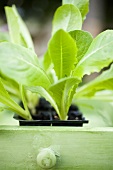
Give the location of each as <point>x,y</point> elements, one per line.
<point>44,111</point>
<point>46,116</point>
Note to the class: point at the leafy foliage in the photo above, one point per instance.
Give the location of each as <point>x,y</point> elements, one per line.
<point>83,40</point>
<point>98,109</point>
<point>103,81</point>
<point>63,52</point>
<point>18,60</point>
<point>71,54</point>
<point>82,5</point>
<point>98,55</point>
<point>6,99</point>
<point>18,31</point>
<point>63,92</point>
<point>68,18</point>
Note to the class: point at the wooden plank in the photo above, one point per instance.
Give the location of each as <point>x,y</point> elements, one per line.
<point>79,148</point>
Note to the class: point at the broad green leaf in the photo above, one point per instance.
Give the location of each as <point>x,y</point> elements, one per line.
<point>21,64</point>
<point>98,56</point>
<point>83,6</point>
<point>32,100</point>
<point>46,94</point>
<point>104,95</point>
<point>6,99</point>
<point>97,111</point>
<point>103,81</point>
<point>68,18</point>
<point>83,40</point>
<point>47,61</point>
<point>10,85</point>
<point>63,92</point>
<point>23,98</point>
<point>17,29</point>
<point>63,52</point>
<point>47,65</point>
<point>4,36</point>
<point>52,75</point>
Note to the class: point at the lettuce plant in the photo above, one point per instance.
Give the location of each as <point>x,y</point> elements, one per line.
<point>71,54</point>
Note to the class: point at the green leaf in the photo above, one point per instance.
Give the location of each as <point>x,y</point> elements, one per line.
<point>103,81</point>
<point>68,18</point>
<point>46,94</point>
<point>21,64</point>
<point>63,92</point>
<point>104,95</point>
<point>32,100</point>
<point>83,40</point>
<point>96,110</point>
<point>63,51</point>
<point>4,36</point>
<point>23,98</point>
<point>83,6</point>
<point>47,65</point>
<point>98,56</point>
<point>6,99</point>
<point>46,61</point>
<point>10,85</point>
<point>17,29</point>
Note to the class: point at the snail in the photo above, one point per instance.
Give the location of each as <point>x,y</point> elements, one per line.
<point>46,158</point>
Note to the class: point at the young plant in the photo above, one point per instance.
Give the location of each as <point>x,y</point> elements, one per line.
<point>71,54</point>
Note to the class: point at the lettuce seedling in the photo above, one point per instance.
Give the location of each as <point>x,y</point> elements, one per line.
<point>71,54</point>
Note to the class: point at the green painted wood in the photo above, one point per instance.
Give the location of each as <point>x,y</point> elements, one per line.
<point>79,148</point>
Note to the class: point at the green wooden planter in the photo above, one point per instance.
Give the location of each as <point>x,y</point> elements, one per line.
<point>73,148</point>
